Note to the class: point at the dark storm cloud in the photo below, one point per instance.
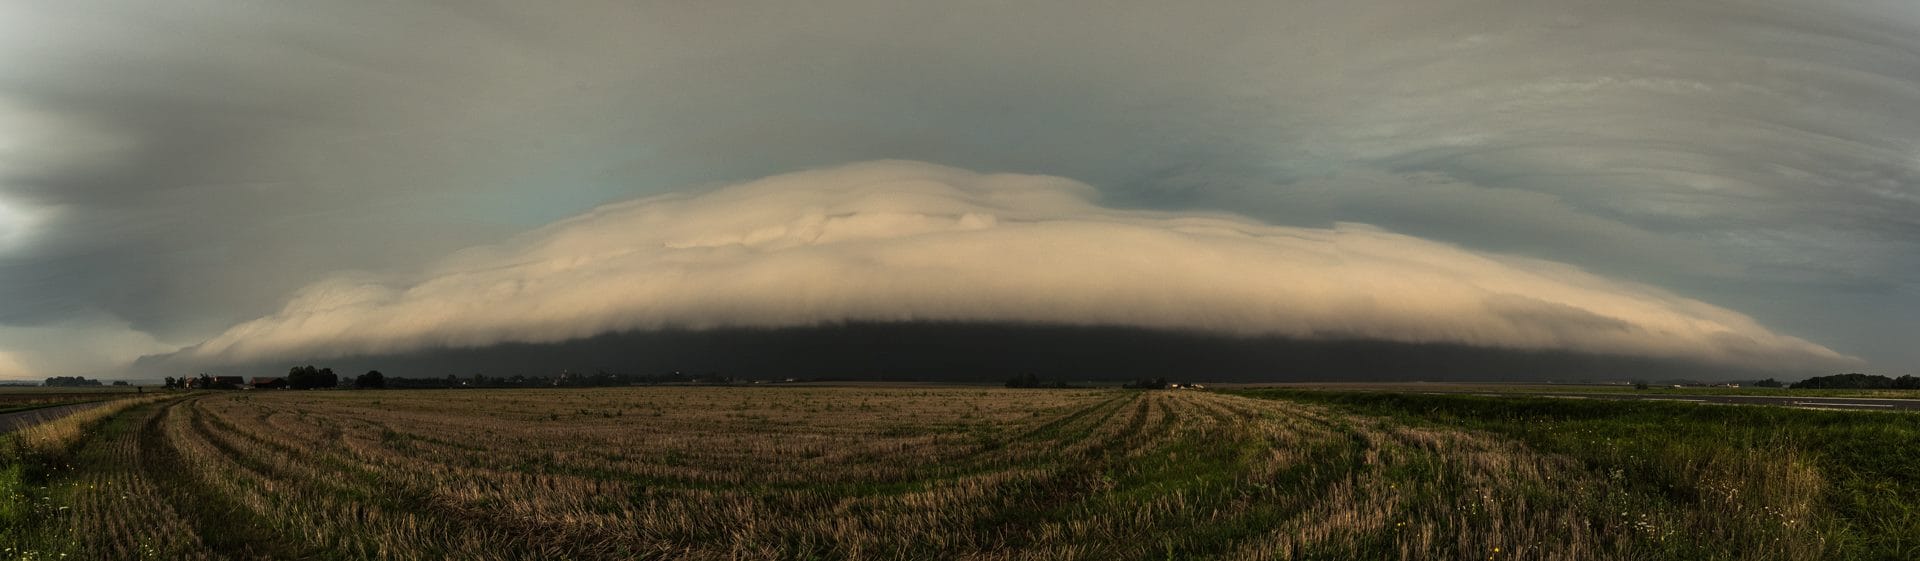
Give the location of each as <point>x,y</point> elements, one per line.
<point>992,352</point>
<point>168,171</point>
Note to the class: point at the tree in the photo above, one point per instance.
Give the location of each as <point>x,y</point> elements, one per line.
<point>373,379</point>
<point>169,384</point>
<point>308,377</point>
<point>1767,383</point>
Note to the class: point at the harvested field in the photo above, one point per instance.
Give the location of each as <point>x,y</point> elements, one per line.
<point>860,472</point>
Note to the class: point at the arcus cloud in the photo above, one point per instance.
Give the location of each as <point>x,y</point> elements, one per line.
<point>908,241</point>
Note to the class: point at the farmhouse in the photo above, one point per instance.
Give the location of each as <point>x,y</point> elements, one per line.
<point>269,382</point>
<point>217,383</point>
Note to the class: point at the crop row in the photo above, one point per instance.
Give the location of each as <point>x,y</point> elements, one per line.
<point>710,473</point>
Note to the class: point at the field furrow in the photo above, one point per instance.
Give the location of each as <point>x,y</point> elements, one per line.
<point>864,472</point>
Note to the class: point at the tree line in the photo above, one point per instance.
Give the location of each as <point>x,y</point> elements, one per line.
<point>299,378</point>
<point>1858,381</point>
<point>311,377</point>
<point>70,381</point>
<point>1029,380</point>
<point>564,380</point>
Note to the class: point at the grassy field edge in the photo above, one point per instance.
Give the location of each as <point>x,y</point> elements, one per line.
<point>1686,452</point>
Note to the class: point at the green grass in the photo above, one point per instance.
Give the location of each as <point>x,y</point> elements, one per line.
<point>1533,388</point>
<point>1870,461</point>
<point>33,500</point>
<point>1781,392</point>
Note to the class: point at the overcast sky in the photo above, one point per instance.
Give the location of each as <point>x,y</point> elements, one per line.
<point>1733,182</point>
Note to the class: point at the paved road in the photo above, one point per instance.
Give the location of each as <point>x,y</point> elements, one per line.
<point>1838,403</point>
<point>11,421</point>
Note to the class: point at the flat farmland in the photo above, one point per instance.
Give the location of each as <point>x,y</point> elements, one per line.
<point>888,472</point>
<point>14,398</point>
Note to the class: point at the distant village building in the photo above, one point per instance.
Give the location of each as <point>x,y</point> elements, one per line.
<point>216,383</point>
<point>269,383</point>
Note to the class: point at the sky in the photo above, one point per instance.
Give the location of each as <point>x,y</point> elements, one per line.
<point>1733,183</point>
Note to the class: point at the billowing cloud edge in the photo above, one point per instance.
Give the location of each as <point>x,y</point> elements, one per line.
<point>898,241</point>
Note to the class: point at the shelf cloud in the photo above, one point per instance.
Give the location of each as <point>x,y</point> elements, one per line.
<point>171,170</point>
<point>903,241</point>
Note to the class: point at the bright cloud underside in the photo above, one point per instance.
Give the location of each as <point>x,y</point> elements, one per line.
<point>908,241</point>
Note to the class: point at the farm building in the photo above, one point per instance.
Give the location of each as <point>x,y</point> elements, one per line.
<point>217,383</point>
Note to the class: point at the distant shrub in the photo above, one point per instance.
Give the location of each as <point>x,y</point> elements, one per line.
<point>1145,384</point>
